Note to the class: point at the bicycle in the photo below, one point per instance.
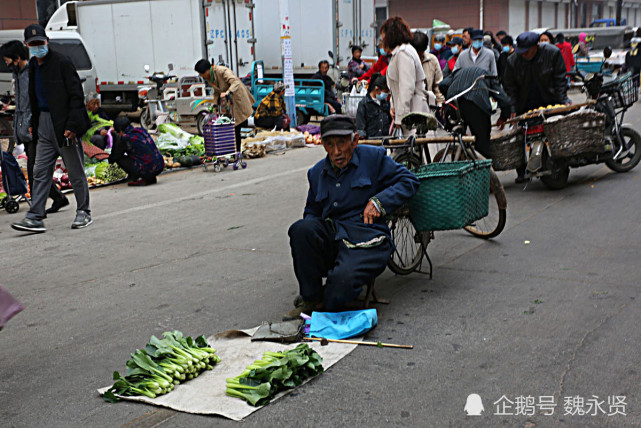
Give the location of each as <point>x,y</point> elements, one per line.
<point>411,245</point>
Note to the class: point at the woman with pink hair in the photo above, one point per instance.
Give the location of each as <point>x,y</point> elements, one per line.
<point>583,47</point>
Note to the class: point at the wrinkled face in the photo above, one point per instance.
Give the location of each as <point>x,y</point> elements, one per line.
<point>340,149</point>
<point>324,68</point>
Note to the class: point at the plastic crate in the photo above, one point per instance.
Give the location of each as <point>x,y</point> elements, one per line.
<point>451,195</point>
<point>220,139</point>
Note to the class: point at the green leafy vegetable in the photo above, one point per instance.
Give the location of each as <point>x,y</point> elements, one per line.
<point>277,371</point>
<point>161,365</point>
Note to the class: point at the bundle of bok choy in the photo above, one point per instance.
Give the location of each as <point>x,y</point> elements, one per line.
<point>276,372</point>
<point>162,364</point>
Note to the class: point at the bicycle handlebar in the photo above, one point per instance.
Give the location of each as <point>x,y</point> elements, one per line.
<point>471,88</point>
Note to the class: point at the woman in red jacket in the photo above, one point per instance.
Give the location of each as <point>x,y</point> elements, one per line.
<point>380,66</point>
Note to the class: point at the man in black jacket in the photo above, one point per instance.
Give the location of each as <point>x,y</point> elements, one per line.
<point>330,96</point>
<point>58,118</point>
<point>373,116</point>
<point>475,107</point>
<point>534,77</point>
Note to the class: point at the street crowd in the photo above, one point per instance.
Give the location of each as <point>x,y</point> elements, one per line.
<point>343,236</point>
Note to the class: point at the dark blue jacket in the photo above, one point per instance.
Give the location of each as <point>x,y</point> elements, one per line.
<point>370,174</point>
<point>373,119</point>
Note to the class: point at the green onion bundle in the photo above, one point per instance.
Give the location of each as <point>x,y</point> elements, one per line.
<point>277,371</point>
<point>161,365</point>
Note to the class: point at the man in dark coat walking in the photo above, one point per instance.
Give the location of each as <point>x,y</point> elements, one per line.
<point>58,118</point>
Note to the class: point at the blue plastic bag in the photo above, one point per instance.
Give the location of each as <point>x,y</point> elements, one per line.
<point>342,325</point>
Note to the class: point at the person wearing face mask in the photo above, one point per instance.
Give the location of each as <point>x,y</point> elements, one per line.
<point>380,66</point>
<point>225,83</point>
<point>431,68</point>
<point>16,56</point>
<point>478,55</point>
<point>507,49</point>
<point>58,119</point>
<point>373,117</point>
<point>456,47</point>
<point>441,51</point>
<point>546,38</point>
<point>534,77</point>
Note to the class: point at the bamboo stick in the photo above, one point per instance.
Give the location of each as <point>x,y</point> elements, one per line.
<point>356,342</point>
<point>422,140</point>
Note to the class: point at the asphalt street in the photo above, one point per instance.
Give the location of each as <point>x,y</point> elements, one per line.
<point>204,252</point>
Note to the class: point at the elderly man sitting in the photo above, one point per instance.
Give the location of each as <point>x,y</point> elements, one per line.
<point>343,235</point>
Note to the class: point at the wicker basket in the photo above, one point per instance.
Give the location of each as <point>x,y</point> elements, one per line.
<point>576,133</point>
<point>507,150</point>
<point>451,195</point>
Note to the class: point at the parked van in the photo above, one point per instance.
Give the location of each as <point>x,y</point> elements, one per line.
<point>66,43</point>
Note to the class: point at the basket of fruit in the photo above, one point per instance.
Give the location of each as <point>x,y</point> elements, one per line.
<point>576,133</point>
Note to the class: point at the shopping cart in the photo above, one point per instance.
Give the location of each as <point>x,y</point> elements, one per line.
<point>220,139</point>
<point>13,182</point>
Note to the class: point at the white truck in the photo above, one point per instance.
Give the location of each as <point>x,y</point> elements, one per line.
<point>125,35</point>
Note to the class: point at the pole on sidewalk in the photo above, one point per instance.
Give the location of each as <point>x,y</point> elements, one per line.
<point>288,64</point>
<point>619,7</point>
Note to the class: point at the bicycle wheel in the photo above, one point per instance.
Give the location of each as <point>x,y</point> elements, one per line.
<point>493,224</point>
<point>408,252</point>
<point>409,243</point>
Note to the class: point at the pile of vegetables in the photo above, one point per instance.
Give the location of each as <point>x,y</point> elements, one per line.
<point>277,371</point>
<point>104,172</point>
<point>162,364</point>
<point>173,141</point>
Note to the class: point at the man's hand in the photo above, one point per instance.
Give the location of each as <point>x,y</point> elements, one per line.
<point>69,134</point>
<point>371,214</point>
<point>500,123</point>
<point>31,131</point>
<point>104,132</point>
<point>362,66</point>
<point>392,112</point>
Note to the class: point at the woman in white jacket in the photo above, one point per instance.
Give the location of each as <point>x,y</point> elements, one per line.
<point>405,76</point>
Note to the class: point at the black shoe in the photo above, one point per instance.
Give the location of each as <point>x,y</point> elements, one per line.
<point>29,225</point>
<point>520,179</point>
<point>57,206</point>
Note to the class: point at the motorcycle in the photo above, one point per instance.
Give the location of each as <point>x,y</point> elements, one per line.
<point>153,99</point>
<point>621,144</point>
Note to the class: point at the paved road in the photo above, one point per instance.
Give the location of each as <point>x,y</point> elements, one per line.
<point>205,252</point>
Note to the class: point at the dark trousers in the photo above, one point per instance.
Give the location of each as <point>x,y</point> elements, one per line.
<point>46,155</point>
<point>318,255</point>
<point>54,192</point>
<point>127,164</point>
<point>237,132</point>
<point>99,141</point>
<point>332,101</point>
<point>270,122</point>
<point>480,123</point>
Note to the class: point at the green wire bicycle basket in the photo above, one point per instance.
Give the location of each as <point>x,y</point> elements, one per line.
<point>451,195</point>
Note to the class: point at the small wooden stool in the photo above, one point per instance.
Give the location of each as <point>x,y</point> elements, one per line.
<point>372,297</point>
